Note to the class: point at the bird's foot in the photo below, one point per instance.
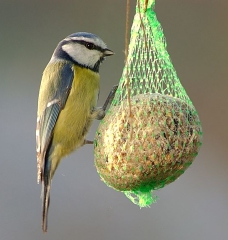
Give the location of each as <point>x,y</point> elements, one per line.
<point>87,142</point>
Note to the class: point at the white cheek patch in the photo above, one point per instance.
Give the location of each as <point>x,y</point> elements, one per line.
<point>81,54</point>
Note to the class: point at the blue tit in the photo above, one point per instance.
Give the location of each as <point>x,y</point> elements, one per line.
<point>67,104</point>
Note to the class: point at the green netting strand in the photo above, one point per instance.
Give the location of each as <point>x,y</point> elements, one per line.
<point>149,65</point>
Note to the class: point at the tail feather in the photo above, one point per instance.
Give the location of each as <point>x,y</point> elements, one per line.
<point>46,201</point>
<point>46,178</point>
<point>46,187</point>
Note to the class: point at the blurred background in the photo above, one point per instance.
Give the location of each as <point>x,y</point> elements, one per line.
<point>82,207</point>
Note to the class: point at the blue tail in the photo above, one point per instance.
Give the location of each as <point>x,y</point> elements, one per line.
<point>46,186</point>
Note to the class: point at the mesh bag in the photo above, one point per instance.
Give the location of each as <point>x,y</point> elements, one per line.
<point>152,132</point>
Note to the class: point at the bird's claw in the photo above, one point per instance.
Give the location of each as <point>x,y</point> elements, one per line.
<point>87,142</point>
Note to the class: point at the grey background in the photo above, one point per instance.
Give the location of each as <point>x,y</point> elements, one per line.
<point>195,207</point>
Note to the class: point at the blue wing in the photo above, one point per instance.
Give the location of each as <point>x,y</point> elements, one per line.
<point>55,88</point>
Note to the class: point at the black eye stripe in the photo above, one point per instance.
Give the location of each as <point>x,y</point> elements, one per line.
<point>84,44</point>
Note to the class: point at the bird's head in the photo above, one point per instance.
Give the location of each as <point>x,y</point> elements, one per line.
<point>85,49</point>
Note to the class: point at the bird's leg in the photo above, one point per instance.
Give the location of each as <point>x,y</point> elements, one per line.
<point>110,97</point>
<point>99,113</point>
<point>87,142</point>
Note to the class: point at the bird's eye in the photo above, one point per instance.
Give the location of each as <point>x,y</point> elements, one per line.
<point>90,46</point>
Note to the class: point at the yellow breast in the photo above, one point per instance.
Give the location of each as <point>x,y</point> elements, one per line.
<point>75,119</point>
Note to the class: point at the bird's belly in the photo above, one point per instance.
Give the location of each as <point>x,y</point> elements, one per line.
<point>71,129</point>
<point>75,119</point>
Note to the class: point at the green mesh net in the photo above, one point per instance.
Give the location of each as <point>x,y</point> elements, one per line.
<point>152,132</point>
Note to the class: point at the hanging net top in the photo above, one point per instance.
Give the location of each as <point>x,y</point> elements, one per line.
<point>149,67</point>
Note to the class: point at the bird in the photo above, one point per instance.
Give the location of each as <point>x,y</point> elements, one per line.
<point>67,102</point>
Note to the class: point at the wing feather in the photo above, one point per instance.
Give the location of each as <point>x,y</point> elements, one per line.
<point>55,89</point>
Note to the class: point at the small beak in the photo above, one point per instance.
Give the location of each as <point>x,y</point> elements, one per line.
<point>108,52</point>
